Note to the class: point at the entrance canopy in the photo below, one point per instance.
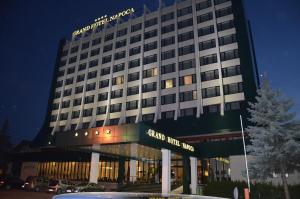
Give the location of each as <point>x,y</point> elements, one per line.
<point>119,140</point>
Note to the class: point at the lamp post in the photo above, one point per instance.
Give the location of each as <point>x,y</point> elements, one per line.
<point>246,163</point>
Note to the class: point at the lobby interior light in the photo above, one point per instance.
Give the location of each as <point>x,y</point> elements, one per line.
<point>107,131</point>
<point>97,132</point>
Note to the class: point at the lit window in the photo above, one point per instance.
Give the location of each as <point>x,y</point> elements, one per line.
<point>154,70</point>
<point>169,83</point>
<point>187,79</point>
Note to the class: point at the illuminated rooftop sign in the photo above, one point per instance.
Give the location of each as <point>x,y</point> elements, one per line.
<point>103,20</point>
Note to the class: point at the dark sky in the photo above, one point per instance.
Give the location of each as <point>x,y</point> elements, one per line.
<point>30,31</point>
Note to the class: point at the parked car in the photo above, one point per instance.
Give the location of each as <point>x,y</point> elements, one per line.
<point>59,186</point>
<point>8,182</point>
<point>36,183</point>
<point>85,187</point>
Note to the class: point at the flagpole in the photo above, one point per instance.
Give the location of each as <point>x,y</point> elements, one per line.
<point>246,163</point>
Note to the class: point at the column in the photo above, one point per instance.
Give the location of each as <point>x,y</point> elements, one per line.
<point>194,175</point>
<point>166,171</point>
<point>121,170</point>
<point>132,171</point>
<point>186,174</point>
<point>94,167</point>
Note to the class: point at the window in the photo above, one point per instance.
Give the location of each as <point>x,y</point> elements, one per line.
<point>149,102</point>
<point>206,30</point>
<point>55,106</point>
<point>72,59</point>
<point>225,25</point>
<point>187,96</point>
<point>85,45</point>
<point>63,63</point>
<point>93,63</point>
<point>107,48</point>
<point>167,115</point>
<point>116,94</point>
<point>207,44</point>
<point>104,83</point>
<point>89,99</point>
<point>167,17</point>
<point>134,63</point>
<point>134,51</point>
<point>185,23</point>
<point>106,59</point>
<point>130,119</point>
<point>87,113</point>
<point>135,39</point>
<point>211,109</point>
<point>85,125</point>
<point>131,105</point>
<point>150,34</point>
<point>118,80</point>
<point>228,39</point>
<point>74,49</point>
<point>186,36</point>
<point>220,1</point>
<point>231,54</point>
<point>136,27</point>
<point>184,11</point>
<point>121,43</point>
<point>169,83</point>
<point>70,70</point>
<point>148,117</point>
<point>188,112</point>
<point>101,110</point>
<point>53,118</point>
<point>115,108</point>
<point>65,104</point>
<point>69,81</point>
<point>150,22</point>
<point>114,121</point>
<point>168,54</point>
<point>223,12</point>
<point>150,59</point>
<point>150,72</point>
<point>191,63</point>
<point>64,53</point>
<point>90,87</point>
<point>186,50</point>
<point>132,90</point>
<point>77,102</point>
<point>209,75</point>
<point>59,84</point>
<point>63,116</point>
<point>133,76</point>
<point>82,67</point>
<point>96,41</point>
<point>168,28</point>
<point>204,17</point>
<point>109,37</point>
<point>120,55</point>
<point>95,52</point>
<point>122,32</point>
<point>167,41</point>
<point>203,5</point>
<point>103,96</point>
<point>233,106</point>
<point>92,74</point>
<point>168,99</point>
<point>84,55</point>
<point>149,87</point>
<point>231,71</point>
<point>209,59</point>
<point>78,89</point>
<point>118,67</point>
<point>233,88</point>
<point>105,71</point>
<point>211,92</point>
<point>99,123</point>
<point>170,68</point>
<point>187,80</point>
<point>150,46</point>
<point>57,95</point>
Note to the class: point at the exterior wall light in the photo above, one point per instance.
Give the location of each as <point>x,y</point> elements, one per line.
<point>97,132</point>
<point>86,133</point>
<point>49,142</point>
<point>76,134</point>
<point>107,131</point>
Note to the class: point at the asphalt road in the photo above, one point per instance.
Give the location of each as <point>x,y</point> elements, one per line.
<point>21,194</point>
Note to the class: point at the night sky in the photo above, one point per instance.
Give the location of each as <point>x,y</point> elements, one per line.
<point>30,31</point>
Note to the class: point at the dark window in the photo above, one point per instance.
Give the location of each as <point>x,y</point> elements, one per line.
<point>118,67</point>
<point>168,99</point>
<point>107,48</point>
<point>101,110</point>
<point>168,28</point>
<point>65,104</point>
<point>63,116</point>
<point>74,49</point>
<point>187,96</point>
<point>55,106</point>
<point>220,1</point>
<point>136,27</point>
<point>150,72</point>
<point>148,117</point>
<point>93,63</point>
<point>191,63</point>
<point>75,114</point>
<point>185,36</point>
<point>231,54</point>
<point>228,39</point>
<point>69,81</point>
<point>205,17</point>
<point>134,51</point>
<point>63,63</point>
<point>167,16</point>
<point>120,55</point>
<point>133,76</point>
<point>114,121</point>
<point>167,115</point>
<point>211,109</point>
<point>131,105</point>
<point>150,34</point>
<point>134,63</point>
<point>57,95</point>
<point>211,92</point>
<point>188,112</point>
<point>115,108</point>
<point>209,59</point>
<point>77,102</point>
<point>135,39</point>
<point>84,55</point>
<point>149,87</point>
<point>225,25</point>
<point>99,123</point>
<point>116,94</point>
<point>184,11</point>
<point>168,54</point>
<point>209,75</point>
<point>90,87</point>
<point>106,59</point>
<point>207,44</point>
<point>233,88</point>
<point>104,83</point>
<point>89,99</point>
<point>203,5</point>
<point>133,90</point>
<point>71,70</point>
<point>92,74</point>
<point>150,59</point>
<point>149,102</point>
<point>64,53</point>
<point>85,45</point>
<point>85,125</point>
<point>206,30</point>
<point>185,23</point>
<point>150,22</point>
<point>59,84</point>
<point>233,106</point>
<point>150,46</point>
<point>109,37</point>
<point>60,73</point>
<point>95,52</point>
<point>122,32</point>
<point>87,113</point>
<point>121,43</point>
<point>168,68</point>
<point>223,12</point>
<point>186,50</point>
<point>105,71</point>
<point>78,89</point>
<point>103,96</point>
<point>167,41</point>
<point>231,71</point>
<point>96,41</point>
<point>130,119</point>
<point>82,67</point>
<point>72,59</point>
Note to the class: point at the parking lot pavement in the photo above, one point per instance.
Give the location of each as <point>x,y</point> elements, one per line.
<point>21,194</point>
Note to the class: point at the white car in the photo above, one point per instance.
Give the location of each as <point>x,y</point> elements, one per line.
<point>59,186</point>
